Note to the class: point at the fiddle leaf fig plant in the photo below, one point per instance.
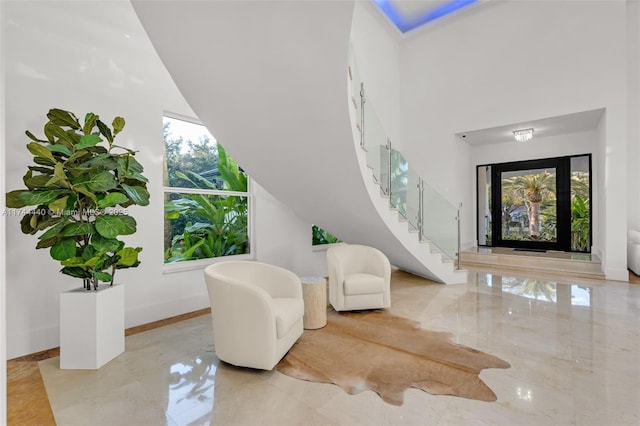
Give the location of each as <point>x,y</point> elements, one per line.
<point>77,194</point>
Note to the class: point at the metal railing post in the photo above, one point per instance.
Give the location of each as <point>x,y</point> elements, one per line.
<point>388,147</point>
<point>458,248</point>
<point>420,207</point>
<point>362,102</point>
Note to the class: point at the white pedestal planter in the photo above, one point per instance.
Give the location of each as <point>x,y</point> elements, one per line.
<point>91,327</point>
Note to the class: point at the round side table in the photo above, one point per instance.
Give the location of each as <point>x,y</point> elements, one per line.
<point>314,293</point>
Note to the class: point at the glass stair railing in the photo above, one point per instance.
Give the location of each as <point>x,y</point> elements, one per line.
<point>427,212</point>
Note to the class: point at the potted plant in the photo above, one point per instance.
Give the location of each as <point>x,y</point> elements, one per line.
<point>77,193</point>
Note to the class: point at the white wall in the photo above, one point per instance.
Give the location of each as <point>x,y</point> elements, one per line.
<point>3,247</point>
<point>284,239</point>
<point>600,212</point>
<point>542,147</point>
<point>512,62</point>
<point>633,76</point>
<point>377,51</point>
<point>95,56</point>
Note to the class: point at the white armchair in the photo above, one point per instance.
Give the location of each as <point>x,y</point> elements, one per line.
<point>359,277</point>
<point>257,311</point>
<point>633,251</point>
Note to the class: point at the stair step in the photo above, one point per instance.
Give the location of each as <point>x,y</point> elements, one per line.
<point>576,265</point>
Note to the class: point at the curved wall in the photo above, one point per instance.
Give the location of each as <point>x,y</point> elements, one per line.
<point>275,89</point>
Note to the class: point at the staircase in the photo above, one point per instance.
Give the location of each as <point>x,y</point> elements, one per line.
<point>555,263</point>
<point>268,80</point>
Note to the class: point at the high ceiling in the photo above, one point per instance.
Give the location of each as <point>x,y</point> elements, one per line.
<point>407,15</point>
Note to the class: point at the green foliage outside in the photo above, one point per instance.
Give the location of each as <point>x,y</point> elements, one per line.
<point>201,226</point>
<point>77,193</point>
<point>319,236</point>
<point>536,192</point>
<point>580,212</point>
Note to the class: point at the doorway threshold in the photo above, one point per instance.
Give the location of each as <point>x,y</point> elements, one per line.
<point>550,262</point>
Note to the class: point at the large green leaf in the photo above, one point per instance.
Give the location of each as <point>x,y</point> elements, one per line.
<point>103,161</point>
<point>129,164</point>
<point>78,228</point>
<point>63,118</point>
<point>61,149</point>
<point>63,249</point>
<point>105,131</point>
<point>13,201</point>
<point>130,168</point>
<point>40,151</point>
<point>137,194</point>
<point>108,245</point>
<point>98,182</point>
<point>36,182</point>
<point>45,221</point>
<point>110,226</point>
<point>203,182</point>
<point>86,192</point>
<point>25,224</point>
<point>48,131</point>
<point>128,256</point>
<point>59,177</point>
<point>47,243</point>
<point>113,199</point>
<point>43,170</point>
<point>88,252</point>
<point>89,123</point>
<point>73,136</point>
<point>44,161</point>
<point>59,205</point>
<point>102,276</point>
<point>117,124</point>
<point>33,138</point>
<point>76,156</point>
<point>76,272</point>
<point>110,260</point>
<point>88,141</point>
<point>52,232</point>
<point>54,131</point>
<point>34,198</point>
<point>73,261</point>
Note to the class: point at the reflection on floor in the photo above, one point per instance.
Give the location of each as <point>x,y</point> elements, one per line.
<point>574,349</point>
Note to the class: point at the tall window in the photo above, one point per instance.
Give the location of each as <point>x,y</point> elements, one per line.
<point>206,196</point>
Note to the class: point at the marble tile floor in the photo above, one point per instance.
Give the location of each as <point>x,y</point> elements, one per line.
<point>574,349</point>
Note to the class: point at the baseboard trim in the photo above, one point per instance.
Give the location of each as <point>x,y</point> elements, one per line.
<point>53,352</point>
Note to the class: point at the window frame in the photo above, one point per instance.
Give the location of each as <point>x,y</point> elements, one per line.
<point>187,265</point>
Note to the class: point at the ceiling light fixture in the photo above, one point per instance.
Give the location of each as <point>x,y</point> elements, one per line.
<point>523,135</point>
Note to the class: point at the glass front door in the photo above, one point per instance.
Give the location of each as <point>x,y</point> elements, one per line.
<point>528,207</point>
<point>537,204</point>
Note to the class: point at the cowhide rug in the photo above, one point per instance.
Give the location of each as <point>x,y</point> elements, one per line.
<point>387,354</point>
